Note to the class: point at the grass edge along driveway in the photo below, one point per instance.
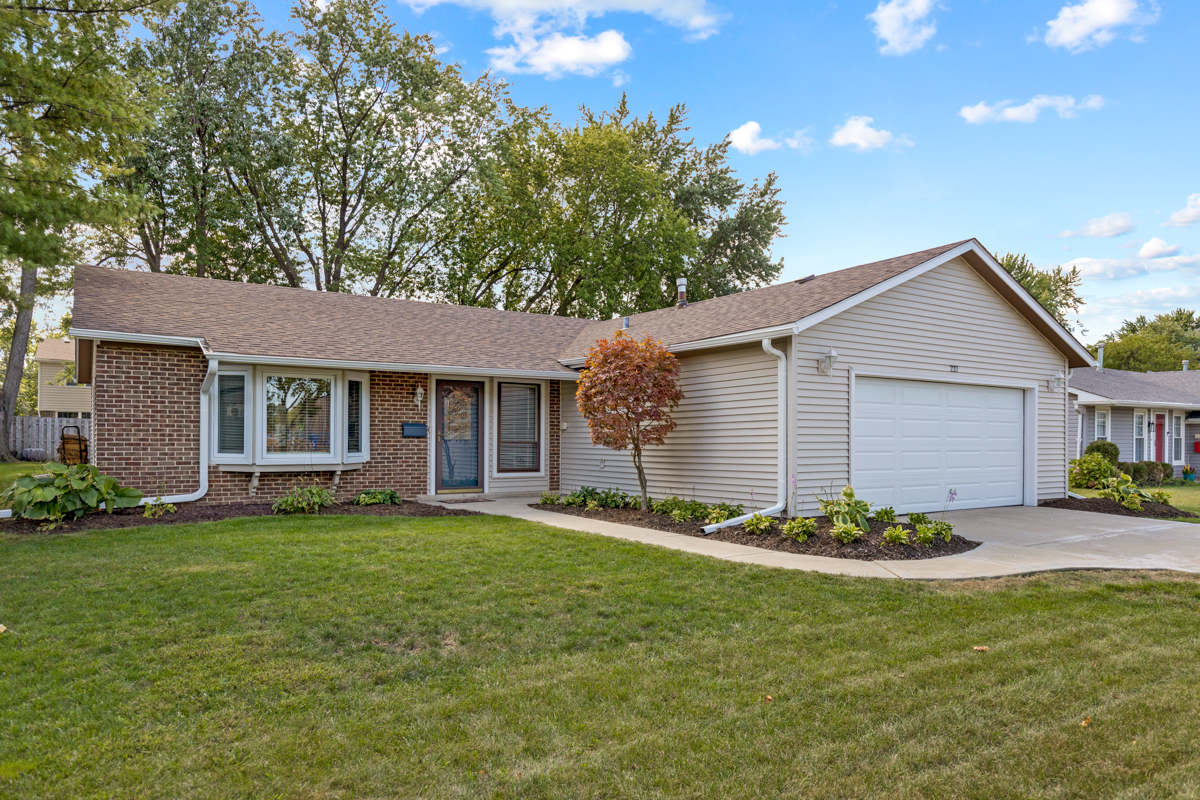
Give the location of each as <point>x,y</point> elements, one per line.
<point>489,657</point>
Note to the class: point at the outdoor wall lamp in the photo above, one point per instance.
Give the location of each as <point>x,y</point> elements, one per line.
<point>825,363</point>
<point>419,396</point>
<point>1058,382</point>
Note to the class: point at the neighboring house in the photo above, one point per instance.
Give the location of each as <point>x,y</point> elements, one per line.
<point>63,400</point>
<point>1150,416</point>
<point>907,378</point>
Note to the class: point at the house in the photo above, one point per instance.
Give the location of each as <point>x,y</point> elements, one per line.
<point>65,399</point>
<point>1150,416</point>
<point>907,378</point>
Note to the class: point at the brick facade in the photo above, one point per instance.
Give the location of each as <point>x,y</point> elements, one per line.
<point>146,427</point>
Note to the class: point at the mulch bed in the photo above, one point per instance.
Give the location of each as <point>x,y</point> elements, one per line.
<point>869,548</point>
<point>1103,505</point>
<point>133,517</point>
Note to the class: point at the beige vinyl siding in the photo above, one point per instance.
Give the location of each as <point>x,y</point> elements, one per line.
<point>917,330</point>
<point>725,445</point>
<point>52,397</point>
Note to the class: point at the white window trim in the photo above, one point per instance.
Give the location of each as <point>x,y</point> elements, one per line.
<point>1180,438</point>
<point>543,431</point>
<point>336,416</point>
<point>1107,411</point>
<point>365,455</point>
<point>1145,434</point>
<point>246,456</point>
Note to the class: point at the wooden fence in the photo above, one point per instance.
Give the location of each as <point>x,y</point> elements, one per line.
<point>36,438</point>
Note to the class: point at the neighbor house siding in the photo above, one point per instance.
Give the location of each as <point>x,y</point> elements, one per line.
<point>918,330</point>
<point>725,445</point>
<point>53,398</point>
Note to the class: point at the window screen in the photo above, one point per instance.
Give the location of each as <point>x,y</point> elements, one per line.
<point>354,409</point>
<point>231,414</point>
<point>519,448</point>
<point>298,414</point>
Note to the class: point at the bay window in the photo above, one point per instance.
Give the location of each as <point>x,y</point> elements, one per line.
<point>519,445</point>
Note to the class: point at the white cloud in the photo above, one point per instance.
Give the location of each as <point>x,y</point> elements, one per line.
<point>801,141</point>
<point>1187,216</point>
<point>1093,23</point>
<point>1005,111</point>
<point>1157,248</point>
<point>1117,268</point>
<point>619,78</point>
<point>548,35</point>
<point>555,55</point>
<point>748,139</point>
<point>1116,224</point>
<point>858,133</point>
<point>901,25</point>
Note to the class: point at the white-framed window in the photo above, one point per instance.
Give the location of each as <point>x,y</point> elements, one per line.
<point>1177,438</point>
<point>1139,435</point>
<point>518,434</point>
<point>301,416</point>
<point>1101,424</point>
<point>232,417</point>
<point>358,417</point>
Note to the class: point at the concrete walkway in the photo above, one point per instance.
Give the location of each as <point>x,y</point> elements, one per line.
<point>1016,541</point>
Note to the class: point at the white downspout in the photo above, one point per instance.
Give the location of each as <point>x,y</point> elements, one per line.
<point>210,378</point>
<point>782,497</point>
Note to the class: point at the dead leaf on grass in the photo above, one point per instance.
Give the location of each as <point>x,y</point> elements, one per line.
<point>3,629</point>
<point>769,699</point>
<point>1086,722</point>
<point>981,648</point>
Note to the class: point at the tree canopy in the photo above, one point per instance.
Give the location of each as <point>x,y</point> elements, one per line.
<point>1160,344</point>
<point>1057,289</point>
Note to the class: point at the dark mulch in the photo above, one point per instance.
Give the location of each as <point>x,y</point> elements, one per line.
<point>1102,505</point>
<point>869,548</point>
<point>191,512</point>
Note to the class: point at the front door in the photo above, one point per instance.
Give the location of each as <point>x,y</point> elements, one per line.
<point>1160,436</point>
<point>459,436</point>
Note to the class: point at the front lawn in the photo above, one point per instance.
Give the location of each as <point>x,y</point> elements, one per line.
<point>359,657</point>
<point>1185,497</point>
<point>10,472</point>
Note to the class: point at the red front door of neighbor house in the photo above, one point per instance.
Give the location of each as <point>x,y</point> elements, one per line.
<point>1160,434</point>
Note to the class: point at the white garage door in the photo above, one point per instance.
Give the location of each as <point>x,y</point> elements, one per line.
<point>914,442</point>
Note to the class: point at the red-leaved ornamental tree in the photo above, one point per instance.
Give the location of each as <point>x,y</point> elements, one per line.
<point>626,393</point>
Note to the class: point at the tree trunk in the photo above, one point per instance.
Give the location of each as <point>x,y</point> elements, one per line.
<point>641,471</point>
<point>16,358</point>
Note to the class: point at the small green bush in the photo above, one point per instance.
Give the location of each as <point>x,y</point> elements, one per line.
<point>757,524</point>
<point>680,515</point>
<point>158,508</point>
<point>923,535</point>
<point>918,519</point>
<point>1110,452</point>
<point>1160,496</point>
<point>67,492</point>
<point>799,528</point>
<point>685,509</point>
<point>941,528</point>
<point>1089,471</point>
<point>376,497</point>
<point>885,514</point>
<point>303,500</point>
<point>846,533</point>
<point>580,496</point>
<point>717,515</point>
<point>895,535</point>
<point>593,505</point>
<point>549,499</point>
<point>1123,490</point>
<point>846,509</point>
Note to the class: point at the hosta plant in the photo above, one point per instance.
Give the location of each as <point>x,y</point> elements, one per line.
<point>1123,490</point>
<point>846,509</point>
<point>550,499</point>
<point>895,535</point>
<point>941,528</point>
<point>375,497</point>
<point>717,514</point>
<point>67,492</point>
<point>757,524</point>
<point>885,514</point>
<point>1159,496</point>
<point>303,500</point>
<point>846,533</point>
<point>923,535</point>
<point>799,528</point>
<point>918,519</point>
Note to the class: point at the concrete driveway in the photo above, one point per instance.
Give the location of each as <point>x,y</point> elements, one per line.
<point>1016,541</point>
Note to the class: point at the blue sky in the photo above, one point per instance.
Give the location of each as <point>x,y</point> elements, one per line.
<point>1064,129</point>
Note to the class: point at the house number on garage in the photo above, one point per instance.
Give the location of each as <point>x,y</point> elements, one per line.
<point>954,367</point>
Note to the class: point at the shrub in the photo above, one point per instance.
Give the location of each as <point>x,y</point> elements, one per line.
<point>845,509</point>
<point>799,528</point>
<point>67,492</point>
<point>1159,496</point>
<point>681,515</point>
<point>580,496</point>
<point>685,509</point>
<point>1123,490</point>
<point>895,535</point>
<point>158,508</point>
<point>885,514</point>
<point>757,524</point>
<point>923,535</point>
<point>593,505</point>
<point>1110,452</point>
<point>1136,471</point>
<point>549,499</point>
<point>918,519</point>
<point>616,498</point>
<point>303,500</point>
<point>375,497</point>
<point>846,533</point>
<point>1089,471</point>
<point>941,528</point>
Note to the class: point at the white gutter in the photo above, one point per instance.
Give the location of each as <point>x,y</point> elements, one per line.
<point>781,497</point>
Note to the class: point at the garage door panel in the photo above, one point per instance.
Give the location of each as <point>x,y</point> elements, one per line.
<point>915,441</point>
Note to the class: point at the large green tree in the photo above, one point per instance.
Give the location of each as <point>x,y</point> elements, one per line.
<point>1057,289</point>
<point>1158,344</point>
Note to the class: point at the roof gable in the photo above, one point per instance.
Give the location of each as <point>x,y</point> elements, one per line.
<point>55,350</point>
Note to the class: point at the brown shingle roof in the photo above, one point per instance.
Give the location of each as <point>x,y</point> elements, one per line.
<point>55,350</point>
<point>781,304</point>
<point>252,319</point>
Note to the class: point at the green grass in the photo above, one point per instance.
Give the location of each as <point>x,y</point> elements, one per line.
<point>351,657</point>
<point>1185,497</point>
<point>10,472</point>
